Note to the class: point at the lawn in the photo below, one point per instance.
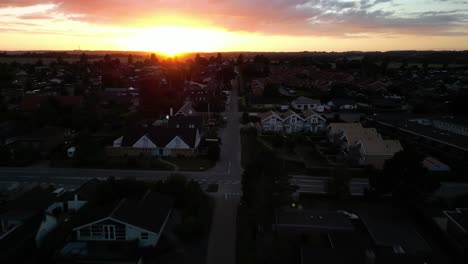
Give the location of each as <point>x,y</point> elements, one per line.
<point>312,156</point>
<point>191,164</point>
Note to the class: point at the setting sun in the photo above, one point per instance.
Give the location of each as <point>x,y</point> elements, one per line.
<point>173,40</point>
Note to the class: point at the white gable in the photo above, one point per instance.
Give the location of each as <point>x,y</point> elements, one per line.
<point>144,142</point>
<point>118,142</point>
<point>177,143</point>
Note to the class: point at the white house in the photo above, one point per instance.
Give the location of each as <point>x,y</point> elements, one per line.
<point>271,121</point>
<point>157,141</point>
<point>291,122</point>
<point>304,103</point>
<point>142,219</point>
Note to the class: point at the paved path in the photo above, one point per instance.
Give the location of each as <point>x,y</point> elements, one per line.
<point>222,241</point>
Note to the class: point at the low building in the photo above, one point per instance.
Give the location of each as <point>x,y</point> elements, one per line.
<point>362,146</point>
<point>142,219</point>
<point>157,141</point>
<point>124,231</point>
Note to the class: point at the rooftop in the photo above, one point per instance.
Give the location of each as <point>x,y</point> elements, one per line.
<point>312,219</point>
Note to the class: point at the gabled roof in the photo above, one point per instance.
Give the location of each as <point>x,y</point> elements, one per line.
<point>288,114</point>
<point>268,114</point>
<point>160,136</point>
<point>187,110</point>
<point>305,100</point>
<point>147,212</point>
<point>30,203</point>
<point>309,113</point>
<point>181,121</point>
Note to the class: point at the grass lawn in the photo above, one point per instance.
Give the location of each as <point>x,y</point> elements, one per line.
<point>282,150</point>
<point>311,156</point>
<point>191,164</point>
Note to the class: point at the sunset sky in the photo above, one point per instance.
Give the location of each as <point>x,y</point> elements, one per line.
<point>173,26</point>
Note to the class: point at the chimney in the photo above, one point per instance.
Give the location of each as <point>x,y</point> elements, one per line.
<point>171,112</point>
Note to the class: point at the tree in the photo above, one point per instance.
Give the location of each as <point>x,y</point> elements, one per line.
<point>219,58</point>
<point>213,152</point>
<point>240,59</point>
<point>88,150</point>
<point>130,59</point>
<point>153,59</point>
<point>265,187</point>
<point>405,177</point>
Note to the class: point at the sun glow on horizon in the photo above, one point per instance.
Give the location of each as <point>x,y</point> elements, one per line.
<point>174,40</point>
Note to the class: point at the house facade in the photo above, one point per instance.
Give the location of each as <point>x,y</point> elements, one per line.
<point>292,122</point>
<point>141,220</point>
<point>157,141</point>
<point>361,146</point>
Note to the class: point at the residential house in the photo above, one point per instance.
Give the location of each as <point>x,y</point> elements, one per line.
<point>142,219</point>
<point>291,122</point>
<point>258,87</point>
<point>362,146</point>
<point>195,92</point>
<point>157,141</point>
<point>271,121</point>
<point>181,121</point>
<point>123,231</point>
<point>304,103</point>
<point>187,110</point>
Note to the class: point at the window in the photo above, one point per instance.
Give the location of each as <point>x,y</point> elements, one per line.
<point>109,232</point>
<point>85,231</point>
<point>144,236</point>
<point>293,119</point>
<point>177,141</point>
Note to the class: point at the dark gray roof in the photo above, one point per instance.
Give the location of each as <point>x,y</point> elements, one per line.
<point>185,122</point>
<point>161,136</point>
<point>149,212</point>
<point>403,122</point>
<point>338,102</point>
<point>460,217</point>
<point>32,202</point>
<point>311,255</point>
<point>305,100</point>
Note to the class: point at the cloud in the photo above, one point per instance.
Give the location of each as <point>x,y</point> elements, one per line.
<point>278,17</point>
